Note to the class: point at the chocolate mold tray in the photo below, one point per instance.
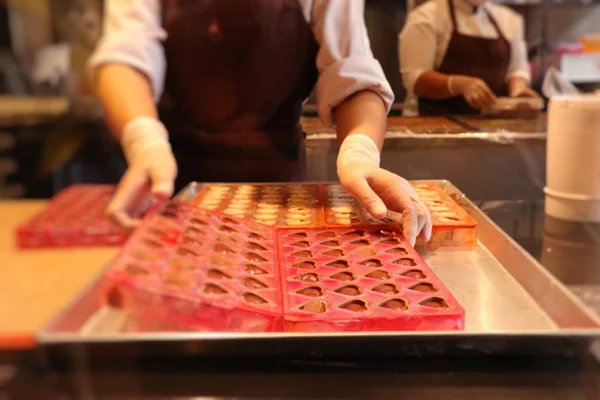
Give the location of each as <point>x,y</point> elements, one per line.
<point>365,279</point>
<point>202,270</point>
<point>75,217</point>
<point>289,205</point>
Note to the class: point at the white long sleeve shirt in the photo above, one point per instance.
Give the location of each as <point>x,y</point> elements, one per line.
<point>424,40</point>
<point>133,35</point>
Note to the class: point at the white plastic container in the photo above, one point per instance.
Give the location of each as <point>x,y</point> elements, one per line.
<point>573,158</point>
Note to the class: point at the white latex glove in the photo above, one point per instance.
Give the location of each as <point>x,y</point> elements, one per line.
<point>151,168</point>
<point>475,91</point>
<point>378,190</point>
<point>522,89</point>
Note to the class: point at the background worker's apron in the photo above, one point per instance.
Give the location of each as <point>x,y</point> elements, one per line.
<point>238,72</point>
<point>484,58</point>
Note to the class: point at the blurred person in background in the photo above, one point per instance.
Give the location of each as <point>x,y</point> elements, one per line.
<point>458,56</point>
<point>232,76</point>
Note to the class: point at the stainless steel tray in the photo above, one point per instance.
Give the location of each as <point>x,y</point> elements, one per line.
<point>513,306</point>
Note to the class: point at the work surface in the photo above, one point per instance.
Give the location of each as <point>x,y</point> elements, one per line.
<point>35,284</point>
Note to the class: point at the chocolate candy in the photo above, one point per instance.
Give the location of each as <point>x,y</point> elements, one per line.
<point>256,246</point>
<point>360,242</point>
<point>255,257</point>
<point>211,288</point>
<point>331,243</point>
<point>228,220</point>
<point>315,307</point>
<point>414,274</point>
<point>350,290</point>
<point>391,240</point>
<point>386,288</point>
<point>395,304</point>
<point>338,264</point>
<point>334,253</point>
<point>424,287</point>
<point>407,262</point>
<point>197,221</point>
<point>355,233</point>
<point>312,291</point>
<point>379,274</point>
<point>184,252</point>
<point>256,236</point>
<point>168,214</point>
<point>254,269</point>
<point>177,278</point>
<point>190,230</point>
<point>372,263</point>
<point>384,232</point>
<point>228,229</point>
<point>135,269</point>
<point>435,302</point>
<point>254,283</point>
<point>298,235</point>
<point>152,243</point>
<point>303,254</point>
<point>305,265</point>
<point>327,234</point>
<point>365,252</point>
<point>308,277</point>
<point>181,264</point>
<point>300,243</point>
<point>190,241</point>
<point>223,249</point>
<point>343,276</point>
<point>251,298</point>
<point>397,250</point>
<point>355,306</point>
<point>217,274</point>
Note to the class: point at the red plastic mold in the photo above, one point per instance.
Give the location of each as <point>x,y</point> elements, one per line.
<point>194,269</point>
<point>74,217</point>
<point>366,279</point>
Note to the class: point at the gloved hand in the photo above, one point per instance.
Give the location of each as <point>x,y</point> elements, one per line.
<point>151,168</point>
<point>475,91</point>
<point>378,190</point>
<point>521,89</point>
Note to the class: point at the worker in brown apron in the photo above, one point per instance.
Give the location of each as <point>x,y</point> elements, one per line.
<point>235,75</point>
<point>474,70</point>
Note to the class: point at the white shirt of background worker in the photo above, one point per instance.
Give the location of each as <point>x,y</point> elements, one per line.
<point>425,38</point>
<point>129,73</point>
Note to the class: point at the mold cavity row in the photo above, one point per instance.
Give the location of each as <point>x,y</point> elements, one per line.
<point>354,290</point>
<point>396,304</point>
<point>345,276</point>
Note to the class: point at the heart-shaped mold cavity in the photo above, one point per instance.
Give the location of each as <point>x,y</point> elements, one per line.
<point>334,253</point>
<point>383,232</point>
<point>193,231</point>
<point>135,269</point>
<point>355,306</point>
<point>327,234</point>
<point>254,269</point>
<point>331,243</point>
<point>414,274</point>
<point>398,250</point>
<point>256,236</point>
<point>355,233</point>
<point>255,257</point>
<point>157,232</point>
<point>256,246</point>
<point>172,207</point>
<point>308,277</point>
<point>311,291</point>
<point>223,249</point>
<point>251,298</point>
<point>177,278</point>
<point>391,240</point>
<point>228,220</point>
<point>315,307</point>
<point>365,252</point>
<point>372,263</point>
<point>226,228</point>
<point>303,254</point>
<point>181,265</point>
<point>254,283</point>
<point>424,287</point>
<point>449,219</point>
<point>298,235</point>
<point>190,241</point>
<point>343,276</point>
<point>338,264</point>
<point>152,243</point>
<point>217,274</point>
<point>185,252</point>
<point>434,302</point>
<point>407,262</point>
<point>379,274</point>
<point>349,290</point>
<point>360,242</point>
<point>386,288</point>
<point>168,214</point>
<point>305,265</point>
<point>301,243</point>
<point>211,288</point>
<point>395,304</point>
<point>198,221</point>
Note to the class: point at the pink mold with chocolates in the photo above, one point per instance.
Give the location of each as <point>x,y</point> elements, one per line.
<point>75,217</point>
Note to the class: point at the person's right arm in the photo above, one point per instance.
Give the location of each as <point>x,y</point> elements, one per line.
<point>128,70</point>
<point>418,43</point>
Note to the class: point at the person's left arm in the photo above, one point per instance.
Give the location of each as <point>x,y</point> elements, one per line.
<point>353,94</point>
<point>518,76</point>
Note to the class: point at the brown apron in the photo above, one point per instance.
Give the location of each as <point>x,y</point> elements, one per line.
<point>238,72</point>
<point>484,58</point>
